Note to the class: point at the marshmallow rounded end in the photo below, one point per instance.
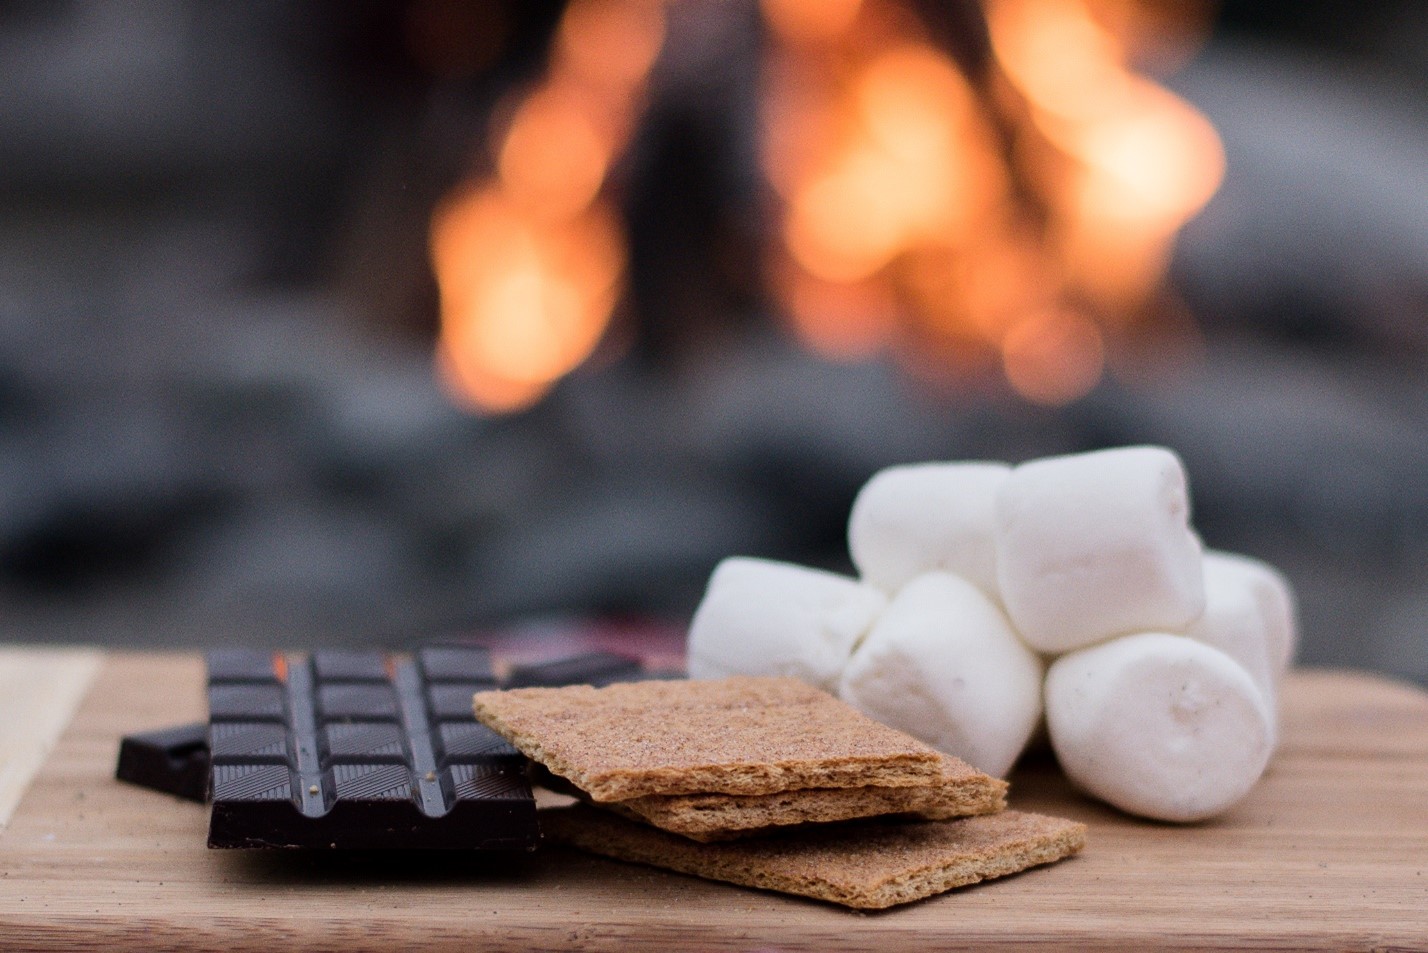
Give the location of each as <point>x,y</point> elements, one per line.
<point>760,617</point>
<point>1158,725</point>
<point>1276,600</point>
<point>1239,621</point>
<point>924,517</point>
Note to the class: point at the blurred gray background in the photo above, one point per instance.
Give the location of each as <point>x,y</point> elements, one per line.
<point>219,420</point>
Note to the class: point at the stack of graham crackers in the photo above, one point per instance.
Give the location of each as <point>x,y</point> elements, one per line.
<point>770,783</point>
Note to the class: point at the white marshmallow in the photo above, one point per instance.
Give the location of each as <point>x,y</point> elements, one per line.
<point>1236,621</point>
<point>1096,545</point>
<point>1276,600</point>
<point>760,617</point>
<point>943,665</point>
<point>912,519</point>
<point>1158,725</point>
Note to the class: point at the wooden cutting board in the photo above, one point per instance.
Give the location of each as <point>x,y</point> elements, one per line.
<point>1329,852</point>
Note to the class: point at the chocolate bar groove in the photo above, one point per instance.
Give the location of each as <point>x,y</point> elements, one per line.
<point>360,750</point>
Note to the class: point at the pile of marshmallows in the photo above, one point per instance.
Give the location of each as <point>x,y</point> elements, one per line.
<point>1071,587</point>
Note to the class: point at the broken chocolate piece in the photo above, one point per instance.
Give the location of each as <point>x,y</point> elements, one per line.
<point>172,760</point>
<point>591,668</point>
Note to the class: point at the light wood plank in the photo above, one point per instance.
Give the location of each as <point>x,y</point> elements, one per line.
<point>39,691</point>
<point>1330,852</point>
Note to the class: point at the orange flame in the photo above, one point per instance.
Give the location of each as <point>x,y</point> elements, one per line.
<point>526,300</point>
<point>1133,161</point>
<point>908,217</point>
<point>810,21</point>
<point>553,160</point>
<point>900,175</point>
<point>610,43</point>
<point>897,192</point>
<point>888,158</point>
<point>530,263</point>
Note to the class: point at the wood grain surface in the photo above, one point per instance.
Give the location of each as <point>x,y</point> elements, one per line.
<point>1329,852</point>
<point>39,690</point>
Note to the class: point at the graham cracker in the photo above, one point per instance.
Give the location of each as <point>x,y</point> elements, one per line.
<point>740,735</point>
<point>868,865</point>
<point>960,791</point>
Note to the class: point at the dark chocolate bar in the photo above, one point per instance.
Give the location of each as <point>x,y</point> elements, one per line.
<point>172,760</point>
<point>358,749</point>
<point>359,735</point>
<point>592,668</point>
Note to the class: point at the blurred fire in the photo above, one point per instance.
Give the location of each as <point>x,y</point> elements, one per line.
<point>530,260</point>
<point>1030,220</point>
<point>1021,219</point>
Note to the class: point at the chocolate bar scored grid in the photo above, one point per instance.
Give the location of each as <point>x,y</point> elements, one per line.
<point>359,749</point>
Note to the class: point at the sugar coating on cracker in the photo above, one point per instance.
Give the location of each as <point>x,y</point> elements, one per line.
<point>867,866</point>
<point>739,735</point>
